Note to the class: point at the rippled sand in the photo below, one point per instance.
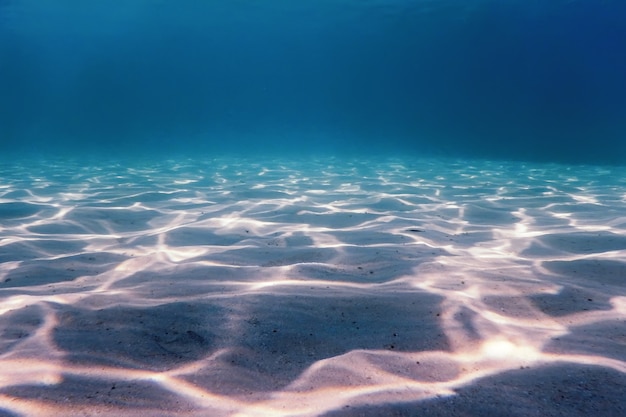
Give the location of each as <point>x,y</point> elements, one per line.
<point>231,287</point>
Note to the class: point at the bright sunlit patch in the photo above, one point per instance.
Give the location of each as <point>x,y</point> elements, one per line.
<point>521,228</point>
<point>585,199</point>
<point>619,304</point>
<point>16,302</point>
<point>23,371</point>
<point>503,349</point>
<point>498,349</point>
<point>182,254</point>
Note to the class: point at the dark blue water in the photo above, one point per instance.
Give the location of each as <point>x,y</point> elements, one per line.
<point>533,80</point>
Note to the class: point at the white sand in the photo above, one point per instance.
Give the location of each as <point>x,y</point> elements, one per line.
<point>312,288</point>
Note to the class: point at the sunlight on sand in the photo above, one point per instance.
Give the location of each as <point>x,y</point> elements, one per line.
<point>232,288</point>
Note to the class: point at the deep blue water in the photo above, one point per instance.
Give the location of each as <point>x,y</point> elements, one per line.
<point>531,79</point>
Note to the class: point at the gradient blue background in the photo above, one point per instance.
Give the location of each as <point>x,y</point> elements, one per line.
<point>536,80</point>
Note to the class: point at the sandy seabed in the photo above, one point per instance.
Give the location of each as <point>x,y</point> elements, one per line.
<point>312,287</point>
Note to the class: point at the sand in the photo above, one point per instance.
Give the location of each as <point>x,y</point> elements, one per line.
<point>312,287</point>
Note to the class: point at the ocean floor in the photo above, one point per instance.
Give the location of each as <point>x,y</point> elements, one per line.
<point>312,287</point>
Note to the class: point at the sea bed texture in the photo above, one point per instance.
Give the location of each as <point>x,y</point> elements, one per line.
<point>312,287</point>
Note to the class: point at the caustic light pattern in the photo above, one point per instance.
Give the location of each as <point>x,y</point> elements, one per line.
<point>232,287</point>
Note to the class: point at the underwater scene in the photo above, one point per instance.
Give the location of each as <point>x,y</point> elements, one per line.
<point>332,208</point>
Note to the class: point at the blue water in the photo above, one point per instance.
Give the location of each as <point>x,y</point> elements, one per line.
<point>312,208</point>
<point>532,80</point>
